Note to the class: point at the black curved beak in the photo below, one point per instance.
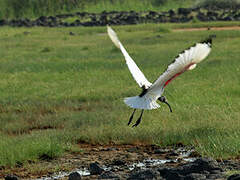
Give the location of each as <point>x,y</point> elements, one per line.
<point>168,105</point>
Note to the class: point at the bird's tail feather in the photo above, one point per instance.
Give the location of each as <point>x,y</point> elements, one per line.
<point>144,102</point>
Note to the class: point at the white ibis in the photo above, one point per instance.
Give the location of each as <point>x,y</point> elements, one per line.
<point>151,92</point>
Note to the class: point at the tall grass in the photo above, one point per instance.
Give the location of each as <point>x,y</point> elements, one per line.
<point>32,147</point>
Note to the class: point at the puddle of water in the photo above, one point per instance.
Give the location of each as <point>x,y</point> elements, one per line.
<point>189,159</point>
<point>82,172</point>
<point>183,154</point>
<point>149,163</point>
<point>56,176</point>
<point>155,162</point>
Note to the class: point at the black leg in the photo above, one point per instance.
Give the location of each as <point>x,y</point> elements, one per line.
<point>139,120</point>
<point>130,119</point>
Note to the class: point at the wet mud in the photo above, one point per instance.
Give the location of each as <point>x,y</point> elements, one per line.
<point>135,162</point>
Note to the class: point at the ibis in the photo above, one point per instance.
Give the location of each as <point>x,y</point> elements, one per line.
<point>152,92</point>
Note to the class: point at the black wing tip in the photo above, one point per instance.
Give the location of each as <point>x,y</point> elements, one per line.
<point>209,40</point>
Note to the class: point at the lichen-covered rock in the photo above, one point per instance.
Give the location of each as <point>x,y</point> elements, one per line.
<point>74,176</point>
<point>95,169</point>
<point>11,177</point>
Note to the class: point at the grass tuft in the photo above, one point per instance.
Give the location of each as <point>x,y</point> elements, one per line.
<point>46,49</point>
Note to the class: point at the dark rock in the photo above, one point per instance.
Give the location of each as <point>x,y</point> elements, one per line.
<point>184,11</point>
<point>194,176</point>
<point>95,169</point>
<point>171,12</point>
<point>198,169</point>
<point>152,13</point>
<point>214,176</point>
<point>11,177</point>
<point>234,177</point>
<point>111,149</point>
<point>65,24</point>
<point>74,176</point>
<point>160,151</point>
<point>108,175</point>
<point>146,174</point>
<point>51,18</point>
<point>201,164</point>
<point>202,17</point>
<point>169,174</point>
<point>25,22</point>
<point>3,22</point>
<point>72,24</point>
<point>118,162</point>
<point>173,153</point>
<point>78,23</point>
<point>216,171</point>
<point>228,18</point>
<point>124,18</point>
<point>42,18</point>
<point>212,13</point>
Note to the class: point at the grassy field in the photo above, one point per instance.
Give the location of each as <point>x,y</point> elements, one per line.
<point>58,90</point>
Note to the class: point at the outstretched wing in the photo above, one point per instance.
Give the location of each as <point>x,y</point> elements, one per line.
<point>187,60</point>
<point>133,68</point>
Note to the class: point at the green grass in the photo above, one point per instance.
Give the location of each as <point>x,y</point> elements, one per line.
<point>202,24</point>
<point>58,90</point>
<point>136,5</point>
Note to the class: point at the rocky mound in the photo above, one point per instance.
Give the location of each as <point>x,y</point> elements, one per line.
<point>140,162</point>
<point>125,18</point>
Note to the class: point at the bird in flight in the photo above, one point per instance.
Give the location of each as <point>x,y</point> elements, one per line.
<point>151,92</point>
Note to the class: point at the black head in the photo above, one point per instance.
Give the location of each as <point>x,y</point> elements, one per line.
<point>163,99</point>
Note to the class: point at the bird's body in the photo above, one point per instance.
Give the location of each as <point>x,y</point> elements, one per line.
<point>187,60</point>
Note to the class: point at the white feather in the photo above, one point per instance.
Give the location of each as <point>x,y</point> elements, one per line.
<point>144,102</point>
<point>133,68</point>
<point>180,65</point>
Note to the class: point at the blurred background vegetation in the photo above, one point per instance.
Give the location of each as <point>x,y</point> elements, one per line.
<point>32,8</point>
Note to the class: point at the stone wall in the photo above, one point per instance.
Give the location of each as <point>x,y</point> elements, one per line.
<point>180,15</point>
